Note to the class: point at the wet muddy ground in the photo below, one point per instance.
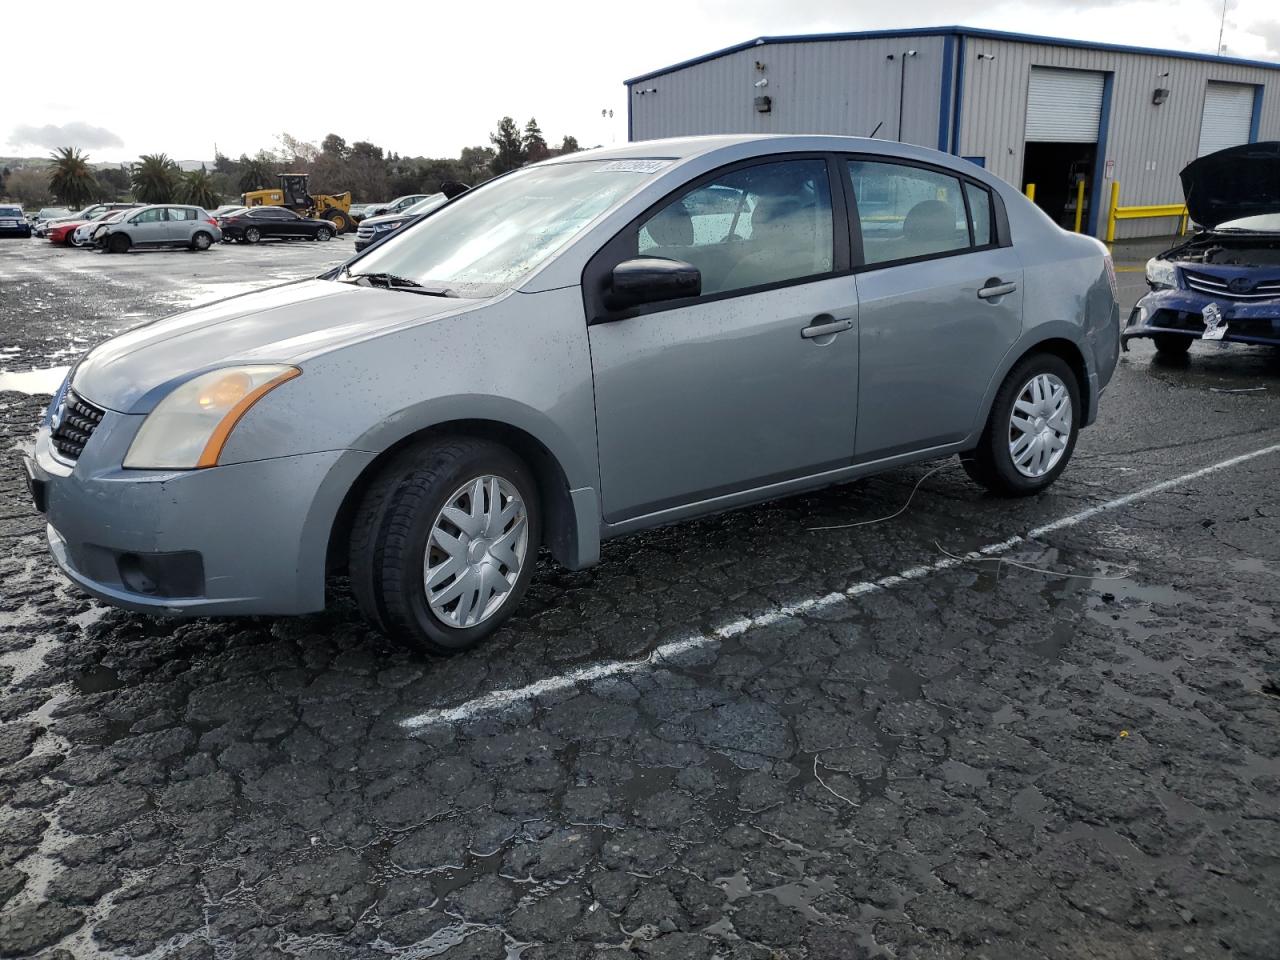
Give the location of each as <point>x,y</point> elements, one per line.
<point>978,760</point>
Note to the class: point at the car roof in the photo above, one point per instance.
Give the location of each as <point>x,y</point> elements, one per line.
<point>684,148</point>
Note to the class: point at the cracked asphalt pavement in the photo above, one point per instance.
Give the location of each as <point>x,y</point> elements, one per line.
<point>983,761</point>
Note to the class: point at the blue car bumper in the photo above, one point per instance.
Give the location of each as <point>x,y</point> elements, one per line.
<point>1180,312</point>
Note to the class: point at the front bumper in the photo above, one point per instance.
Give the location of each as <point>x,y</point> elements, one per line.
<point>1179,313</point>
<point>245,538</point>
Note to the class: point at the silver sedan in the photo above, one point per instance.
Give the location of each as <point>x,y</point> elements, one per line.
<point>583,348</point>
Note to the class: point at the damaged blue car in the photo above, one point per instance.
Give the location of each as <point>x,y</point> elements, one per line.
<point>1222,283</point>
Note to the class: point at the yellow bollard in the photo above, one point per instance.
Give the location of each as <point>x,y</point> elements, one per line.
<point>1079,205</point>
<point>1111,214</point>
<point>1031,192</point>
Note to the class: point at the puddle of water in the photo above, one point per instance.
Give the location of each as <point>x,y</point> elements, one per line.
<point>46,380</point>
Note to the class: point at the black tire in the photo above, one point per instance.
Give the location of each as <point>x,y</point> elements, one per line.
<point>69,238</point>
<point>341,221</point>
<point>323,234</point>
<point>990,463</point>
<point>252,235</point>
<point>392,525</point>
<point>201,241</point>
<point>118,243</point>
<point>1171,344</point>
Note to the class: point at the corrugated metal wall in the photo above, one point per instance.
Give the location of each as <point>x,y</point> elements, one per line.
<point>1149,144</point>
<point>848,86</point>
<point>845,86</point>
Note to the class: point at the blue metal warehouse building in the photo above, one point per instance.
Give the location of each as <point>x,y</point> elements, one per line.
<point>1031,109</point>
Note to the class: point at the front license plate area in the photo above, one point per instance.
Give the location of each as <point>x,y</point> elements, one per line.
<point>1215,325</point>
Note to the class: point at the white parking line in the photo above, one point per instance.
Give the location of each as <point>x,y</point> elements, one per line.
<point>500,699</point>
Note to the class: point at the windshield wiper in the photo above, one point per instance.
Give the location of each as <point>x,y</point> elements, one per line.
<point>389,281</point>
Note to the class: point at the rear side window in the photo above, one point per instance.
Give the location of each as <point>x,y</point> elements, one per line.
<point>753,226</point>
<point>906,212</point>
<point>181,213</point>
<point>980,213</point>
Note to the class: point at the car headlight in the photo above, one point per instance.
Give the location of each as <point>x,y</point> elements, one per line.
<point>1161,273</point>
<point>384,227</point>
<point>190,426</point>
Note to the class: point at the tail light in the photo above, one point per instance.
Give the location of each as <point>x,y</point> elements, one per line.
<point>212,221</point>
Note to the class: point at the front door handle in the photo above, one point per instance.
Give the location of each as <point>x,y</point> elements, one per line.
<point>995,287</point>
<point>824,326</point>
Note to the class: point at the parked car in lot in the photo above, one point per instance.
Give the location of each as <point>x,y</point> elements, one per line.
<point>431,412</point>
<point>63,231</point>
<point>1223,283</point>
<point>39,222</point>
<point>360,210</point>
<point>159,225</point>
<point>375,228</point>
<point>398,205</point>
<point>91,211</point>
<point>82,236</point>
<point>274,223</point>
<point>13,222</point>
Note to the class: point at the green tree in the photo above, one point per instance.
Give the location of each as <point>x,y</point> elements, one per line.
<point>113,183</point>
<point>533,142</point>
<point>569,144</point>
<point>29,186</point>
<point>224,164</point>
<point>72,181</point>
<point>197,187</point>
<point>155,178</point>
<point>475,163</point>
<point>257,172</point>
<point>508,145</point>
<point>335,146</point>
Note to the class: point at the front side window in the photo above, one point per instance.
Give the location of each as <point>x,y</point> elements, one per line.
<point>154,215</point>
<point>488,238</point>
<point>763,224</point>
<point>907,212</point>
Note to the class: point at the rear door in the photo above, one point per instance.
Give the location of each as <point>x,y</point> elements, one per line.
<point>179,230</point>
<point>940,301</point>
<point>752,383</point>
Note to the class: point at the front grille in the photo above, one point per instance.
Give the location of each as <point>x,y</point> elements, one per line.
<point>1218,287</point>
<point>76,419</point>
<point>364,233</point>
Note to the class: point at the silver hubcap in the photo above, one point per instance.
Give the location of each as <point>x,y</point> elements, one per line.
<point>1040,425</point>
<point>476,551</point>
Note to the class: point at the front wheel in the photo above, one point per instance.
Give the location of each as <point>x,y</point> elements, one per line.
<point>324,233</point>
<point>1031,431</point>
<point>252,235</point>
<point>118,243</point>
<point>444,543</point>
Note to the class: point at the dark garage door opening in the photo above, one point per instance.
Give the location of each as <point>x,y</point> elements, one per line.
<point>1057,169</point>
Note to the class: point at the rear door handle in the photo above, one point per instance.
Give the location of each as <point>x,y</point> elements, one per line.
<point>995,287</point>
<point>823,326</point>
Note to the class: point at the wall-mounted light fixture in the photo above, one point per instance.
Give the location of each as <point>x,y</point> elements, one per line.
<point>1160,95</point>
<point>643,91</point>
<point>764,104</point>
<point>986,56</point>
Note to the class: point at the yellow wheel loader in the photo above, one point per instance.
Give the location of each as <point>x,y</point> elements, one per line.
<point>292,193</point>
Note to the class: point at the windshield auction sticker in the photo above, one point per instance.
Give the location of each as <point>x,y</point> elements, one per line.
<point>635,166</point>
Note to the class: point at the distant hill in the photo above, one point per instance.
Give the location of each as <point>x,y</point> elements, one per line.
<point>15,163</point>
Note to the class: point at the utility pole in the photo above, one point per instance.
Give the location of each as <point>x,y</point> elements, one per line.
<point>902,86</point>
<point>1222,24</point>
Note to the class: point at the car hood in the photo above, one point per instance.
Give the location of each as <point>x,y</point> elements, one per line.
<point>382,218</point>
<point>130,373</point>
<point>1237,182</point>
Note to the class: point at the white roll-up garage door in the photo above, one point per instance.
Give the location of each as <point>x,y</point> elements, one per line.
<point>1228,114</point>
<point>1064,106</point>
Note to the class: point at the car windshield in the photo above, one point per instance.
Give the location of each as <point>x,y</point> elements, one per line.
<point>10,211</point>
<point>428,203</point>
<point>1260,223</point>
<point>494,235</point>
<point>115,217</point>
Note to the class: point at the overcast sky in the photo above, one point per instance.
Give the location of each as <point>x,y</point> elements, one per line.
<point>187,76</point>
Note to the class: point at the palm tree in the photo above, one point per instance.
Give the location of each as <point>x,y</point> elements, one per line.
<point>255,173</point>
<point>72,179</point>
<point>196,187</point>
<point>154,178</point>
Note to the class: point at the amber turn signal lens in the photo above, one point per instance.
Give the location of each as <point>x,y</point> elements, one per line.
<point>225,392</point>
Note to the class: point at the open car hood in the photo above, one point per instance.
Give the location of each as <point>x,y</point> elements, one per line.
<point>1241,181</point>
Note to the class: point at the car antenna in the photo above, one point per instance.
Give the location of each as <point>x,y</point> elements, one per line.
<point>876,130</point>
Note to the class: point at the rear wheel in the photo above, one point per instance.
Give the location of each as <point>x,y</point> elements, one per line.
<point>252,235</point>
<point>444,543</point>
<point>1171,344</point>
<point>1031,431</point>
<point>118,243</point>
<point>201,241</point>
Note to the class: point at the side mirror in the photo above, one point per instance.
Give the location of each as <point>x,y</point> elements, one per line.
<point>652,280</point>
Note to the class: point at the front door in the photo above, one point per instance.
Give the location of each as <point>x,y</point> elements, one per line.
<point>755,381</point>
<point>940,305</point>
